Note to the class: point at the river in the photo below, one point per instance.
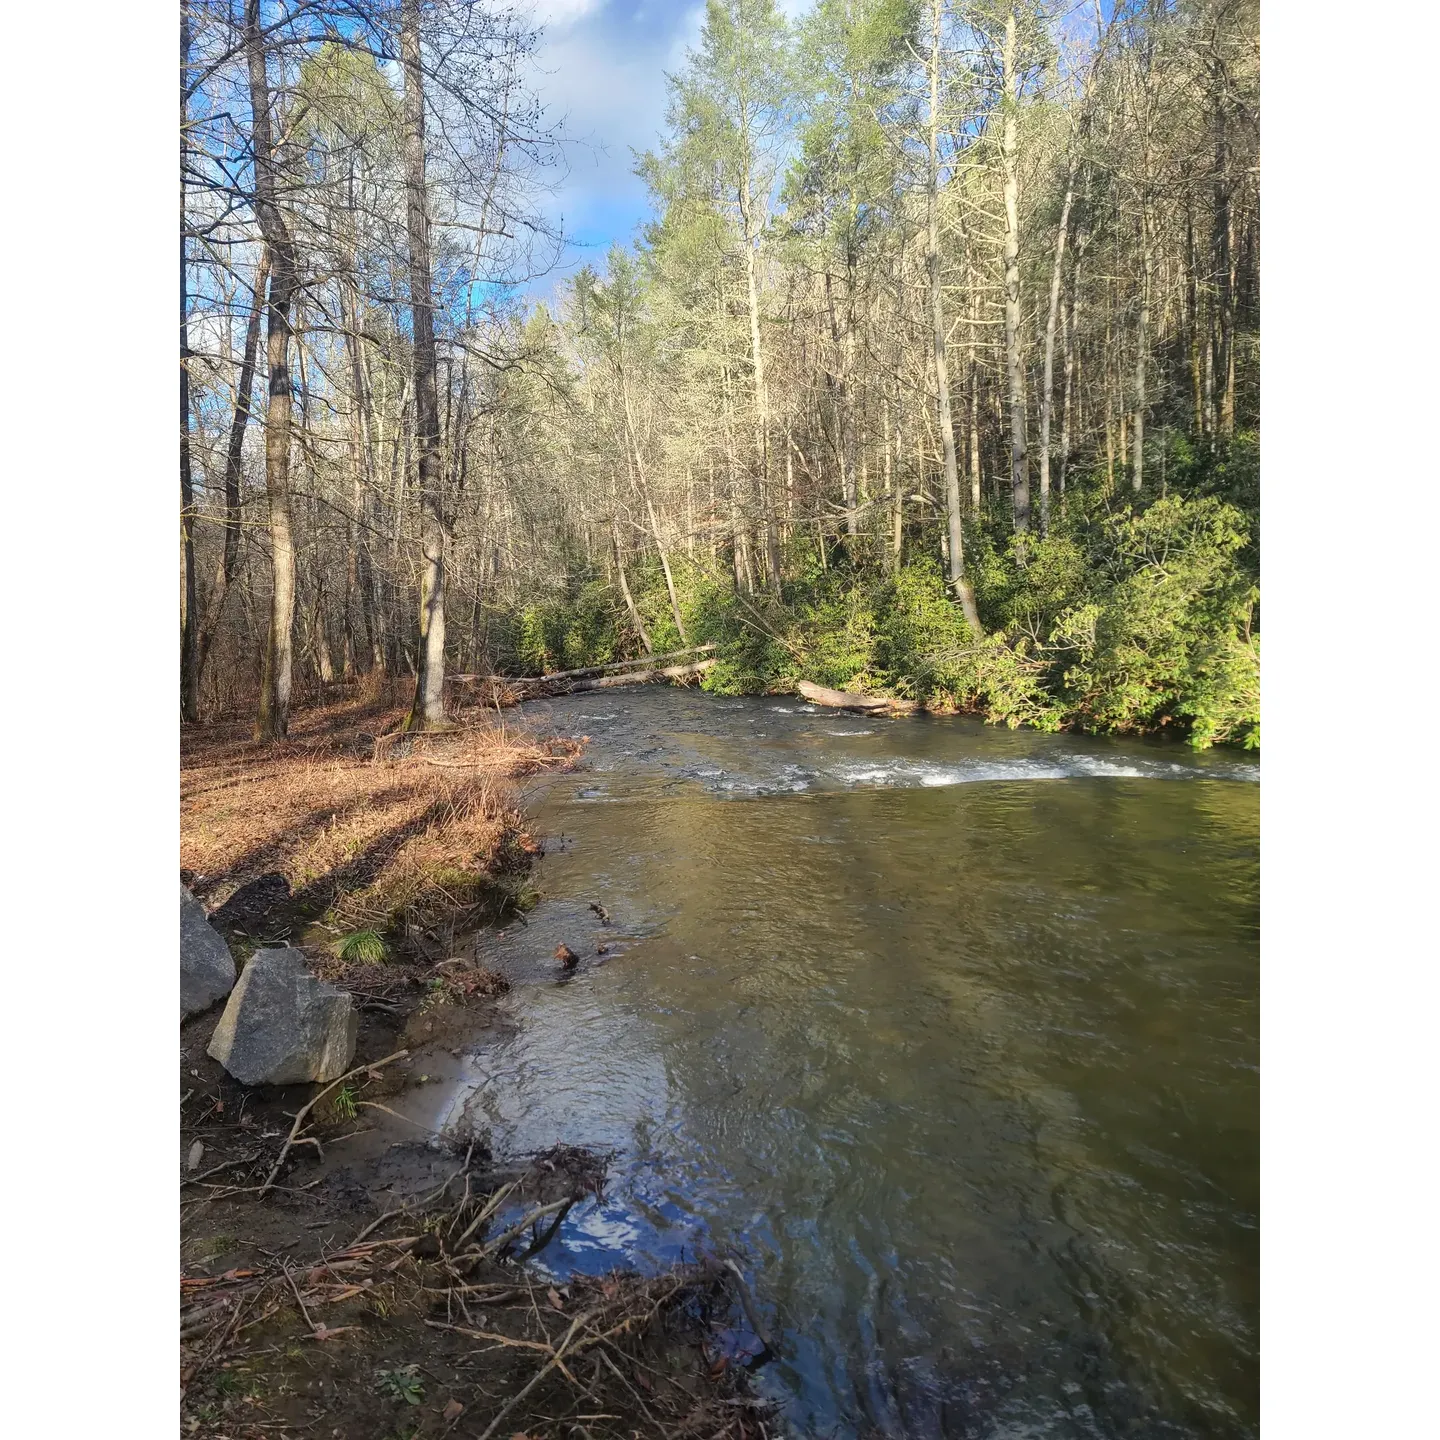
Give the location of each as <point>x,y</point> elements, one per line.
<point>948,1033</point>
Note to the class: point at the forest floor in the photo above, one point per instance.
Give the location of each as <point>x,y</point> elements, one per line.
<point>351,825</point>
<point>345,1274</point>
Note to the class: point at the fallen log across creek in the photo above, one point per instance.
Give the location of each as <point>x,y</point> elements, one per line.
<point>513,688</point>
<point>848,700</point>
<point>648,662</point>
<point>640,677</point>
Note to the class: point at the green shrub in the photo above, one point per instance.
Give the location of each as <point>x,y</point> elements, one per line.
<point>1126,618</point>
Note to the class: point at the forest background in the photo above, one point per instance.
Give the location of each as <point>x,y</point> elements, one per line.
<point>935,372</point>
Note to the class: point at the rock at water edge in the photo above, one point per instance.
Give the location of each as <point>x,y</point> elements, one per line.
<point>283,1026</point>
<point>207,973</point>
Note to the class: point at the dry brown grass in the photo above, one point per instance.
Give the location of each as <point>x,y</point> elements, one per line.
<point>366,831</point>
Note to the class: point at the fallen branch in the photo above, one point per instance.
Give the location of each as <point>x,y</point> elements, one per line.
<point>848,700</point>
<point>305,1109</point>
<point>751,1314</point>
<point>495,1246</point>
<point>641,677</point>
<point>646,660</point>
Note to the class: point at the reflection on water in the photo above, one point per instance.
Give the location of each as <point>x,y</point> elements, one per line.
<point>965,1071</point>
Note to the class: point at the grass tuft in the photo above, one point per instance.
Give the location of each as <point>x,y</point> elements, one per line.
<point>364,947</point>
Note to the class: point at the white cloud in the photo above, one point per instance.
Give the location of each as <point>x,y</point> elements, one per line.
<point>560,15</point>
<point>602,75</point>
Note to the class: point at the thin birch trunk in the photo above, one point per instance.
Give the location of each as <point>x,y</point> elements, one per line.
<point>1047,385</point>
<point>954,535</point>
<point>635,619</point>
<point>1019,453</point>
<point>762,418</point>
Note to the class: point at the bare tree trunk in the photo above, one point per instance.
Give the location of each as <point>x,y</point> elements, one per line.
<point>637,460</point>
<point>234,456</point>
<point>274,717</point>
<point>837,383</point>
<point>324,662</point>
<point>1047,387</point>
<point>1223,246</point>
<point>1068,318</point>
<point>1019,453</point>
<point>1142,345</point>
<point>665,567</point>
<point>955,534</point>
<point>1192,325</point>
<point>428,707</point>
<point>635,619</point>
<point>360,460</point>
<point>762,417</point>
<point>974,405</point>
<point>893,490</point>
<point>189,661</point>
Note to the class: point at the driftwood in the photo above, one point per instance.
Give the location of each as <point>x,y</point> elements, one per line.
<point>649,661</point>
<point>848,700</point>
<point>640,677</point>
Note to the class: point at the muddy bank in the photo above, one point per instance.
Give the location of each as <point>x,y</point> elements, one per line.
<point>348,1272</point>
<point>380,1283</point>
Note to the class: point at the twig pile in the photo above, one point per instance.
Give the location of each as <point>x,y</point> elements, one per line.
<point>596,1349</point>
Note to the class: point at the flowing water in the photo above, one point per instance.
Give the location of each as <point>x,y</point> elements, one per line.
<point>949,1034</point>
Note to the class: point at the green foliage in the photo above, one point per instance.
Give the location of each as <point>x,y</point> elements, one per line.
<point>1122,620</point>
<point>363,947</point>
<point>403,1383</point>
<point>1169,638</point>
<point>564,633</point>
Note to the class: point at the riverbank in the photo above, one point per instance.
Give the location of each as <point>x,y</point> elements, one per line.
<point>343,1267</point>
<point>352,828</point>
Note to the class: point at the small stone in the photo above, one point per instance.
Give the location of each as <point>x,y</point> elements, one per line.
<point>283,1026</point>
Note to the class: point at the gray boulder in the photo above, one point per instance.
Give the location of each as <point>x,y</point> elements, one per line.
<point>284,1026</point>
<point>207,973</point>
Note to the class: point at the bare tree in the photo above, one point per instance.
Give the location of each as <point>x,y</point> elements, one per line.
<point>428,709</point>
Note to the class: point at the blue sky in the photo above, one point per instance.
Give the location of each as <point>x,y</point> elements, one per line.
<point>602,70</point>
<point>602,66</point>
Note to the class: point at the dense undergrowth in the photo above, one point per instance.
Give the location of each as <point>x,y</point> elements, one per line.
<point>1133,615</point>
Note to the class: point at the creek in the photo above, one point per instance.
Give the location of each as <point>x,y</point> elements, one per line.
<point>949,1034</point>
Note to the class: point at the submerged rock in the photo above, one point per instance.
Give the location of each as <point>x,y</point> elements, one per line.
<point>284,1026</point>
<point>207,973</point>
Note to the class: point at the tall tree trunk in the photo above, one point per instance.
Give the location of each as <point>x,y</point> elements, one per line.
<point>1192,324</point>
<point>1019,453</point>
<point>665,568</point>
<point>1224,263</point>
<point>1047,385</point>
<point>837,383</point>
<point>637,460</point>
<point>428,708</point>
<point>189,618</point>
<point>974,388</point>
<point>762,417</point>
<point>274,717</point>
<point>955,535</point>
<point>360,461</point>
<point>1142,346</point>
<point>630,605</point>
<point>229,564</point>
<point>1145,123</point>
<point>1069,319</point>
